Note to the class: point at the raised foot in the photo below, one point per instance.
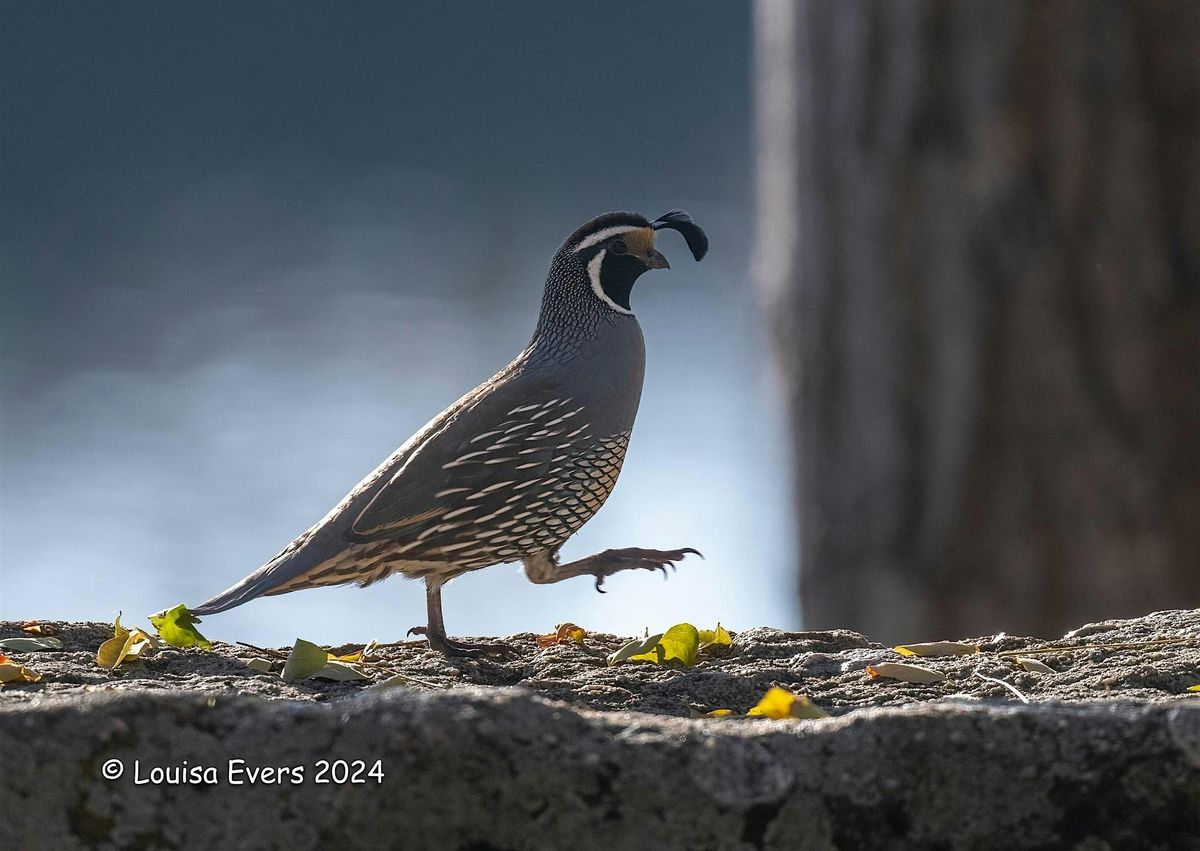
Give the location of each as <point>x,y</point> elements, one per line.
<point>634,558</point>
<point>474,650</point>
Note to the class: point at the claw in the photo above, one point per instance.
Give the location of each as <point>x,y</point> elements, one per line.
<point>599,582</point>
<point>417,630</point>
<point>693,552</point>
<point>663,568</point>
<point>451,648</point>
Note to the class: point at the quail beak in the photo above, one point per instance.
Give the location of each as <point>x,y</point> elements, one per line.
<point>655,260</point>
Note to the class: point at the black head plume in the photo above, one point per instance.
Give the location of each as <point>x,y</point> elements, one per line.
<point>679,220</point>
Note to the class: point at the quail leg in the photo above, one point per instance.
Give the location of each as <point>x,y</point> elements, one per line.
<point>544,567</point>
<point>435,633</point>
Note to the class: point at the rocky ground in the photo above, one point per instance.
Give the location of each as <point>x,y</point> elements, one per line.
<point>555,748</point>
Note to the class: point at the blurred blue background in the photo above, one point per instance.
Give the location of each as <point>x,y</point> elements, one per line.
<point>248,249</point>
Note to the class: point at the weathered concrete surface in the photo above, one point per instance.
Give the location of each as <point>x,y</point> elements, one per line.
<point>1109,757</point>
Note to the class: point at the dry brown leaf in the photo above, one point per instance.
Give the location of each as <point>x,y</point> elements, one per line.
<point>36,628</point>
<point>937,648</point>
<point>563,633</point>
<point>1034,666</point>
<point>905,673</point>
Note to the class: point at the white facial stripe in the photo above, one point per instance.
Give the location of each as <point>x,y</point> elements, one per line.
<point>601,235</point>
<point>594,275</point>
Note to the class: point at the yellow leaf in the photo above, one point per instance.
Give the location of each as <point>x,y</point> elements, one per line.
<point>636,646</point>
<point>1034,666</point>
<point>36,628</point>
<point>937,648</point>
<point>905,673</point>
<point>177,627</point>
<point>304,661</point>
<point>712,639</point>
<point>780,703</point>
<point>109,654</point>
<point>1194,688</point>
<point>311,660</point>
<point>11,672</point>
<point>719,713</point>
<point>138,641</point>
<point>357,656</point>
<point>341,672</point>
<point>678,644</point>
<point>125,644</point>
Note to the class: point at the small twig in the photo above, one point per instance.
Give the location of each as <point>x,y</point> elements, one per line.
<point>1121,645</point>
<point>1008,686</point>
<point>407,678</point>
<point>277,654</point>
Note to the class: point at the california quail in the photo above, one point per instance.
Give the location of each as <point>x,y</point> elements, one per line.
<point>516,466</point>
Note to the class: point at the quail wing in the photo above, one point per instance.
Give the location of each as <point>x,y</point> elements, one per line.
<point>464,480</point>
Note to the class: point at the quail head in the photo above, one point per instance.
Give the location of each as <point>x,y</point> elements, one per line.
<point>516,466</point>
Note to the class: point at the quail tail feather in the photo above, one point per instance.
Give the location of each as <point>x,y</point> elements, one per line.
<point>255,585</point>
<point>282,573</point>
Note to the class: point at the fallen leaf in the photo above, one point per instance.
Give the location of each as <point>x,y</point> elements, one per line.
<point>1194,688</point>
<point>359,655</point>
<point>400,680</point>
<point>125,645</point>
<point>27,645</point>
<point>1034,666</point>
<point>341,672</point>
<point>937,648</point>
<point>905,673</point>
<point>310,660</point>
<point>719,713</point>
<point>563,633</point>
<point>677,644</point>
<point>260,664</point>
<point>305,660</point>
<point>780,703</point>
<point>714,639</point>
<point>177,627</point>
<point>637,646</point>
<point>36,628</point>
<point>11,672</point>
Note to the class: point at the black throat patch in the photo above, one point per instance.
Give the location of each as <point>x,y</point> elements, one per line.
<point>618,274</point>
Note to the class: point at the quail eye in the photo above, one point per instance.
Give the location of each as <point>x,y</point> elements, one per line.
<point>617,246</point>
